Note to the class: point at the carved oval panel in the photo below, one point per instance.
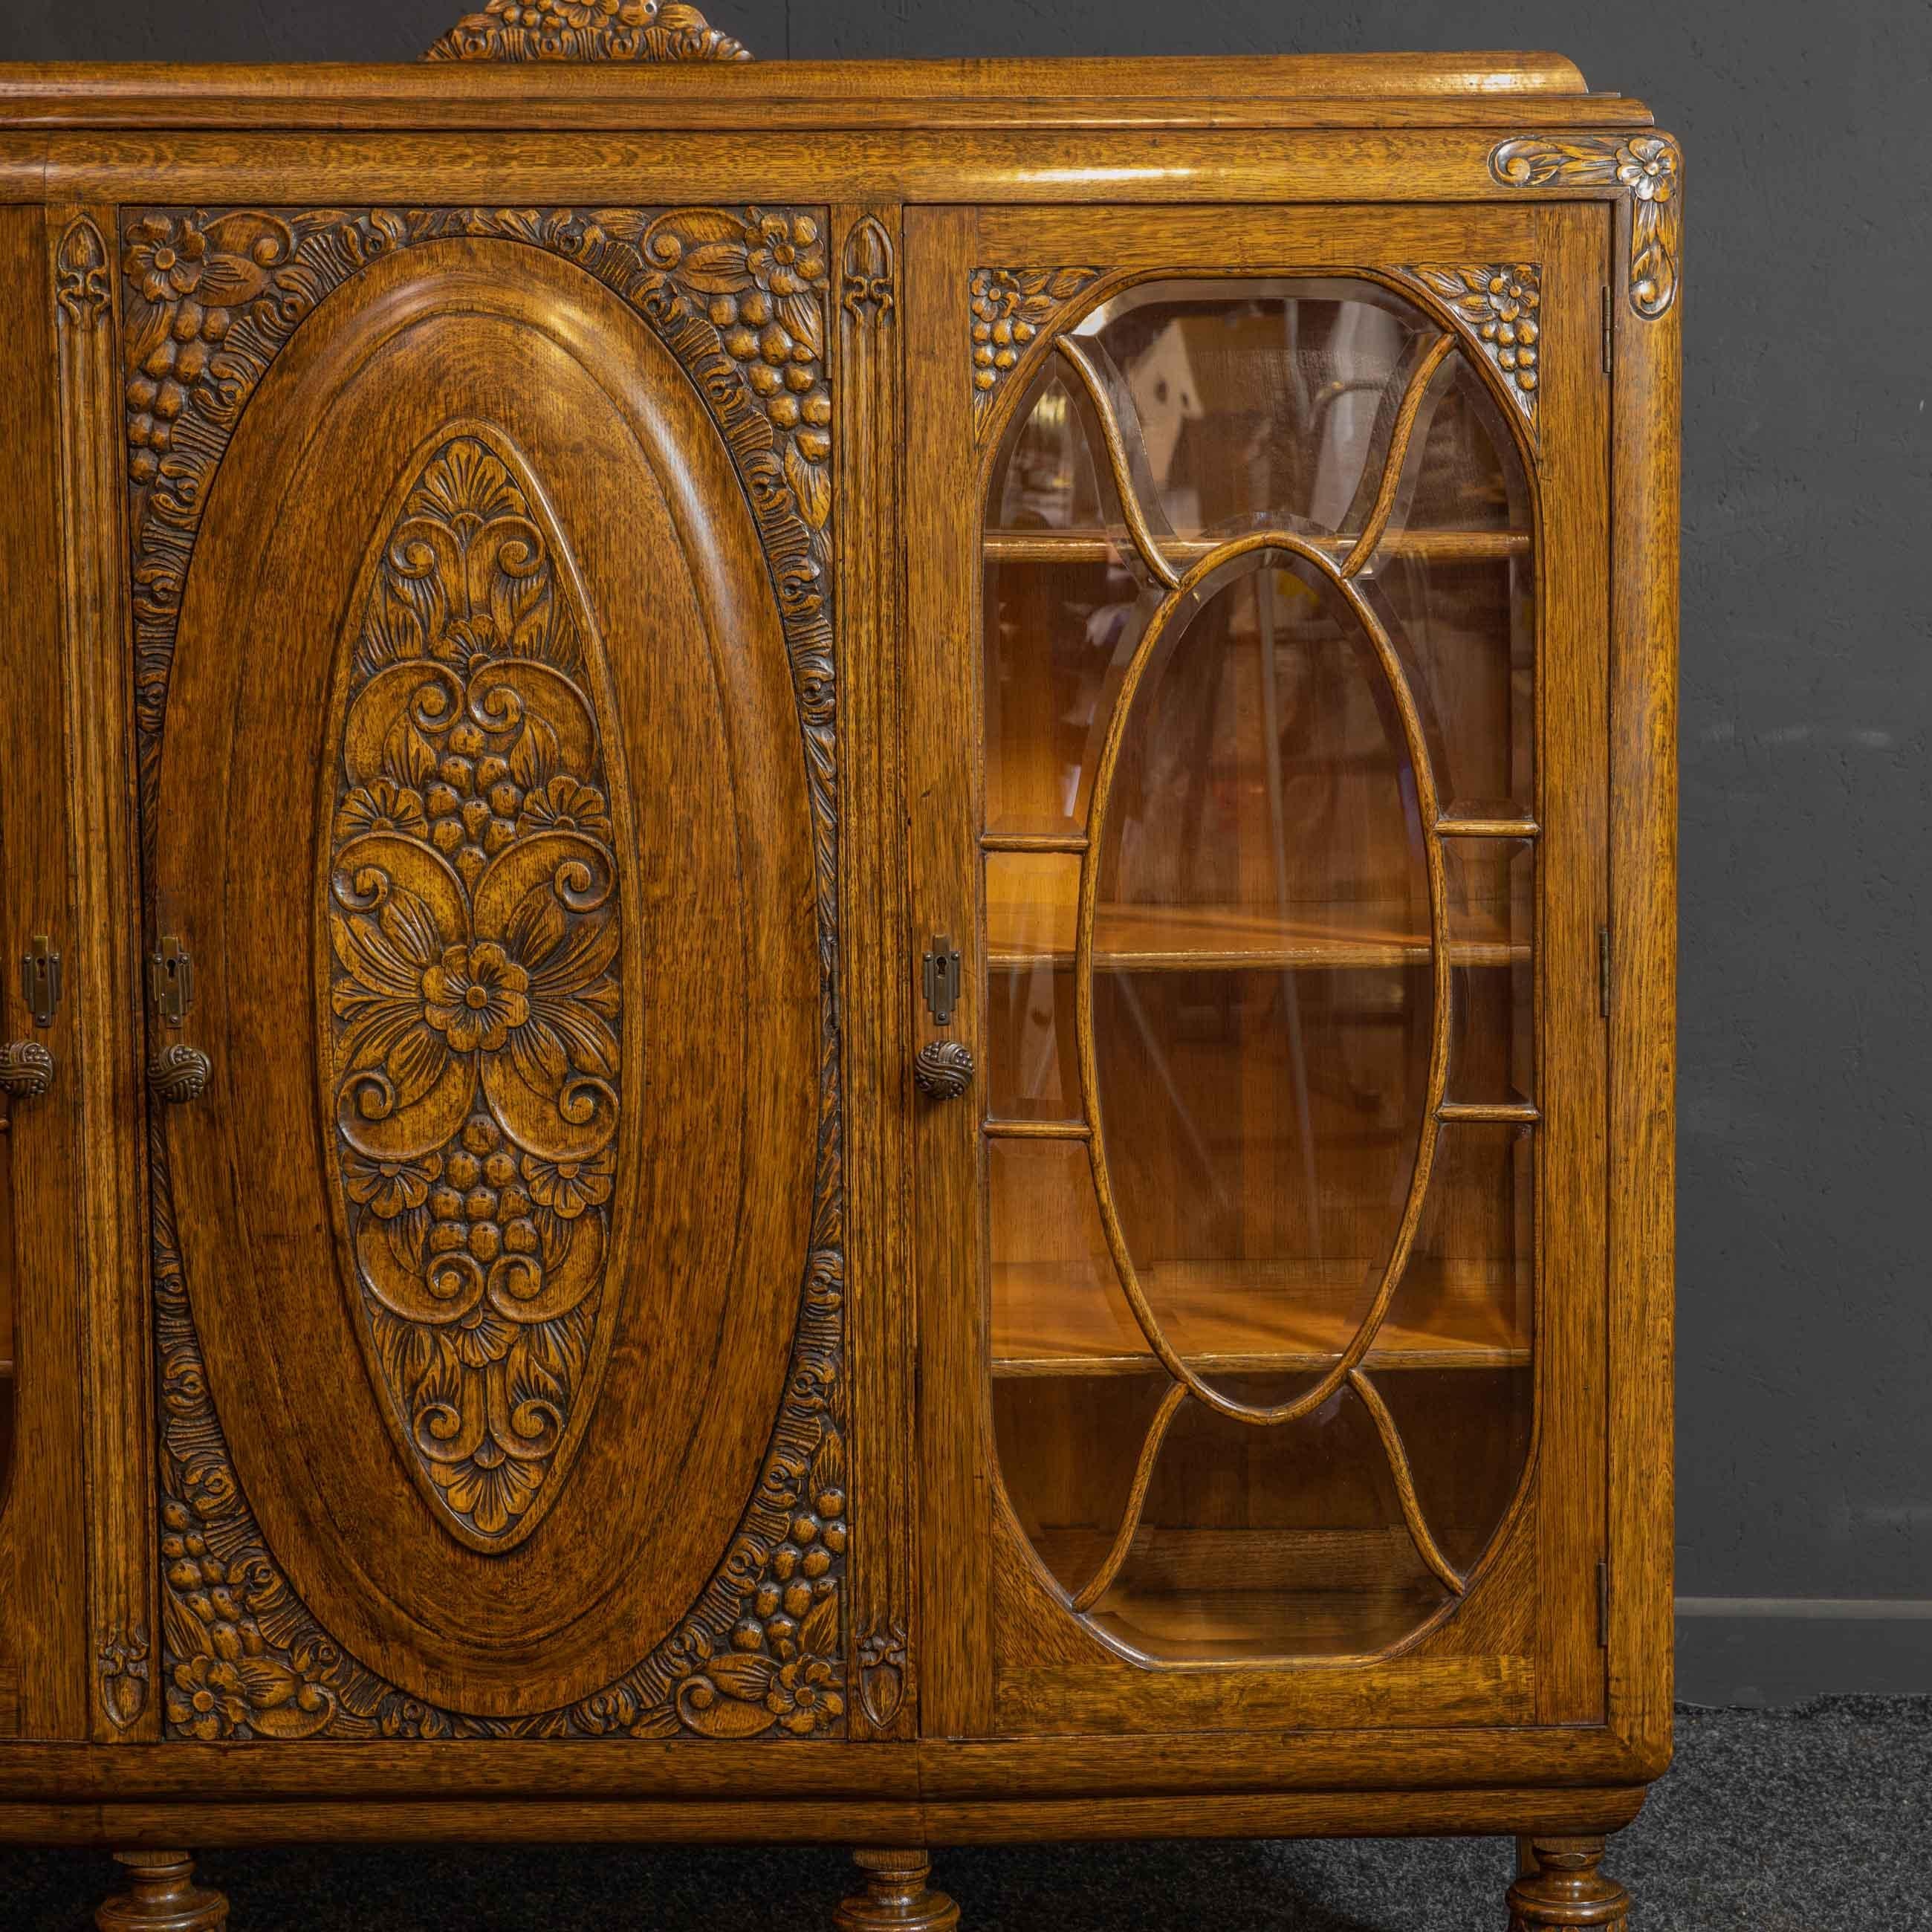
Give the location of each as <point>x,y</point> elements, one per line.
<point>482,804</point>
<point>474,1012</point>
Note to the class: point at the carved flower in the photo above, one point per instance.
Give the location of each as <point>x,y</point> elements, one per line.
<point>1010,307</point>
<point>481,1337</point>
<point>1647,167</point>
<point>567,1187</point>
<point>788,256</point>
<point>381,806</point>
<point>206,1698</point>
<point>166,259</point>
<point>491,1495</point>
<point>389,1187</point>
<point>566,805</point>
<point>804,1696</point>
<point>474,995</point>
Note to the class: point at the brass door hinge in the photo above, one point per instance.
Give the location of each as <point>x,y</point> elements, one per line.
<point>171,981</point>
<point>1603,971</point>
<point>1603,1606</point>
<point>40,979</point>
<point>1609,358</point>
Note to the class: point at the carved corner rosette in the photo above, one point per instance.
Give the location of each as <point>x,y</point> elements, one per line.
<point>1011,308</point>
<point>742,298</point>
<point>1498,307</point>
<point>1648,168</point>
<point>586,30</point>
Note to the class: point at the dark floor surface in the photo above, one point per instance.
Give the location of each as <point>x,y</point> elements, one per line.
<point>1818,1819</point>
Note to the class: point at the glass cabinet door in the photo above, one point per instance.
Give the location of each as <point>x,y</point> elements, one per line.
<point>1260,831</point>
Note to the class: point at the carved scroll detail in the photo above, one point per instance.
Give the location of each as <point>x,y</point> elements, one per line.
<point>1648,167</point>
<point>870,291</point>
<point>1497,306</point>
<point>740,297</point>
<point>1011,309</point>
<point>586,30</point>
<point>83,284</point>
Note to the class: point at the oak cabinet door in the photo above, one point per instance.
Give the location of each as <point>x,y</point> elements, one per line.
<point>488,778</point>
<point>1262,758</point>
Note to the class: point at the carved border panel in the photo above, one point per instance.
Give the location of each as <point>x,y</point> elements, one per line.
<point>742,298</point>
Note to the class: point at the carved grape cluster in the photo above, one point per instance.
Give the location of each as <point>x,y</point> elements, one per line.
<point>1010,307</point>
<point>797,1576</point>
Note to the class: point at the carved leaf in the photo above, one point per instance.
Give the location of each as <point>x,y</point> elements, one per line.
<point>586,30</point>
<point>1011,309</point>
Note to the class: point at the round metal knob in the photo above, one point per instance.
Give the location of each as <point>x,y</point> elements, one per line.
<point>943,1070</point>
<point>177,1074</point>
<point>26,1069</point>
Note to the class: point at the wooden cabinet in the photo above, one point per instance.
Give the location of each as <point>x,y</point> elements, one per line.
<point>843,901</point>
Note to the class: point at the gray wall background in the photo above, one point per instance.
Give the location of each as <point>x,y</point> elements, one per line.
<point>1805,1460</point>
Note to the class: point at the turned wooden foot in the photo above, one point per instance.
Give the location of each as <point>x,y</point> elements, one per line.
<point>163,1897</point>
<point>1561,1886</point>
<point>896,1896</point>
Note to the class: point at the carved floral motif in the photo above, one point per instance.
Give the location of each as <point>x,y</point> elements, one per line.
<point>739,297</point>
<point>1647,167</point>
<point>1010,307</point>
<point>586,30</point>
<point>1499,305</point>
<point>471,901</point>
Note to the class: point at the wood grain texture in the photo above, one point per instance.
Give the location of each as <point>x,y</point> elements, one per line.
<point>882,1626</point>
<point>46,1664</point>
<point>103,980</point>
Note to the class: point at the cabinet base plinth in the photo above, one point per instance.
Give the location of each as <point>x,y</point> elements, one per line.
<point>1560,1886</point>
<point>163,1897</point>
<point>896,1897</point>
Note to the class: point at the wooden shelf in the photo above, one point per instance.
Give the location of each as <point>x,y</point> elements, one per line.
<point>1192,939</point>
<point>1231,1318</point>
<point>1091,546</point>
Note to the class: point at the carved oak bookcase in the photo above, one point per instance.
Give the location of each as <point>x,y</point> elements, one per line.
<point>838,912</point>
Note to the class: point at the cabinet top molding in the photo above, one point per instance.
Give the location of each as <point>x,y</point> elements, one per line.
<point>586,30</point>
<point>649,65</point>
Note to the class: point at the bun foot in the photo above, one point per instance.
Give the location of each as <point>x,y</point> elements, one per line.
<point>1560,1886</point>
<point>163,1897</point>
<point>896,1897</point>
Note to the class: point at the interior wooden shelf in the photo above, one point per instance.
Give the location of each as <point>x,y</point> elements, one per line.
<point>1093,546</point>
<point>1191,939</point>
<point>1232,1317</point>
<point>1213,1626</point>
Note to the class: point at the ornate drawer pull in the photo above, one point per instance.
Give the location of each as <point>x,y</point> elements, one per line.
<point>943,1070</point>
<point>26,1069</point>
<point>178,1074</point>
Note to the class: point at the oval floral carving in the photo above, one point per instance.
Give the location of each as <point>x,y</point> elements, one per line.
<point>471,1036</point>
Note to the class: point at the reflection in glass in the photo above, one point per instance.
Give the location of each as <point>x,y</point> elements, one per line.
<point>1247,774</point>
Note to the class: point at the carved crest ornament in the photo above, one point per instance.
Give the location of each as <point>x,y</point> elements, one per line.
<point>473,982</point>
<point>586,30</point>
